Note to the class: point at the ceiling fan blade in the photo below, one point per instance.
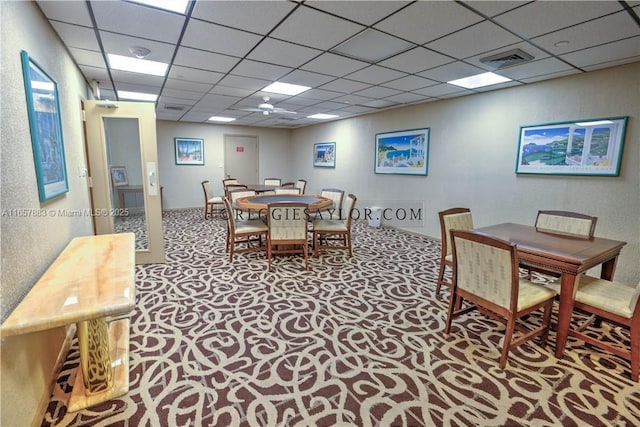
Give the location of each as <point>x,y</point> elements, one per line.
<point>282,111</point>
<point>253,110</point>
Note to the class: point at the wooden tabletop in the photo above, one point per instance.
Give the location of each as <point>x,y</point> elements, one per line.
<point>257,203</point>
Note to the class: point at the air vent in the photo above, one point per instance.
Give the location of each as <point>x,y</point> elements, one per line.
<point>174,107</point>
<point>507,59</point>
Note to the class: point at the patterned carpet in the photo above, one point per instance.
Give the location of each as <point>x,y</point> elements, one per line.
<point>352,342</point>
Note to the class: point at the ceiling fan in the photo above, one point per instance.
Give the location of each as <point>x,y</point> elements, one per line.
<point>266,108</point>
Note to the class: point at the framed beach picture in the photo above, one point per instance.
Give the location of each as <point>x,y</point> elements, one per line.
<point>43,107</point>
<point>324,155</point>
<point>119,176</point>
<point>583,147</point>
<point>403,152</point>
<point>189,151</point>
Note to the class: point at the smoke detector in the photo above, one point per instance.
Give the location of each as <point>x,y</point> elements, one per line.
<point>507,59</point>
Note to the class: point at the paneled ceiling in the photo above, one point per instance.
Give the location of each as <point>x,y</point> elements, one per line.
<point>221,54</point>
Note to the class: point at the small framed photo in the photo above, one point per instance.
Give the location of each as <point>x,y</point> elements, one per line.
<point>402,152</point>
<point>119,176</point>
<point>324,155</point>
<point>581,147</point>
<point>189,151</point>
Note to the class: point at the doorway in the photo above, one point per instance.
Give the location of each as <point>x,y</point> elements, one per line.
<point>241,158</point>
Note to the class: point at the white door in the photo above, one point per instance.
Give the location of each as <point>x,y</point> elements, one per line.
<point>241,158</point>
<point>123,159</point>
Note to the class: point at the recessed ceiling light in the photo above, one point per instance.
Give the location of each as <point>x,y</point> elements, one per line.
<point>179,6</point>
<point>595,123</point>
<point>322,116</point>
<point>135,65</point>
<point>221,119</point>
<point>137,96</point>
<point>479,80</point>
<point>285,88</point>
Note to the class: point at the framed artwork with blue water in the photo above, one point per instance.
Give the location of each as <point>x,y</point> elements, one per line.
<point>402,152</point>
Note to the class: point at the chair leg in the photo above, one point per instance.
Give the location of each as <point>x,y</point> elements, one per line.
<point>440,277</point>
<point>634,335</point>
<point>305,249</point>
<point>546,322</point>
<point>506,345</point>
<point>316,243</point>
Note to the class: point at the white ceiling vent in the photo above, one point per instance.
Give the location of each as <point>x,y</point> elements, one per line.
<point>507,59</point>
<point>174,107</point>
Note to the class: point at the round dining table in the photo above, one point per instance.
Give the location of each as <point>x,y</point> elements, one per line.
<point>261,202</point>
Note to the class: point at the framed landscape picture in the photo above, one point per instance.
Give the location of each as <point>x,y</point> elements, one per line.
<point>43,106</point>
<point>403,152</point>
<point>585,147</point>
<point>324,155</point>
<point>189,151</point>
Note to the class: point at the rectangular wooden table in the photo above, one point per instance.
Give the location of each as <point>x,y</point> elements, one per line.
<point>92,280</point>
<point>562,254</point>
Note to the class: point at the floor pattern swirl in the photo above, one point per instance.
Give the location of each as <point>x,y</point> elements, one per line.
<point>353,342</point>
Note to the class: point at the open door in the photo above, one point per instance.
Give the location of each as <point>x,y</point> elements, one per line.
<point>123,159</point>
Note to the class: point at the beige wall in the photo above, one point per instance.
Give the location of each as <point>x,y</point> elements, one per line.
<point>30,244</point>
<point>473,147</point>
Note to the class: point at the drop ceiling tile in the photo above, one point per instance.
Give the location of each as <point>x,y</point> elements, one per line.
<point>216,101</point>
<point>607,29</point>
<point>243,82</point>
<point>452,71</point>
<point>196,116</point>
<point>493,8</point>
<point>416,60</point>
<point>478,38</point>
<point>316,29</point>
<point>306,78</point>
<point>599,56</point>
<point>364,12</point>
<point>119,44</point>
<point>551,76</point>
<point>98,74</point>
<point>254,16</point>
<point>231,91</point>
<point>138,20</point>
<point>205,61</point>
<point>441,89</point>
<point>378,92</point>
<point>534,68</point>
<point>379,103</point>
<point>261,70</point>
<point>358,109</point>
<point>136,86</point>
<point>351,99</point>
<point>76,36</point>
<point>282,53</point>
<point>319,94</point>
<point>87,57</point>
<point>328,106</point>
<point>375,75</point>
<point>66,11</point>
<point>425,21</point>
<point>333,65</point>
<point>410,83</point>
<point>187,85</point>
<point>219,39</point>
<point>170,115</point>
<point>407,98</point>
<point>194,75</point>
<point>498,86</point>
<point>182,94</point>
<point>345,86</point>
<point>137,78</point>
<point>537,18</point>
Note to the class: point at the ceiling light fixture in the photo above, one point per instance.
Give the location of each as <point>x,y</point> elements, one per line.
<point>179,6</point>
<point>322,116</point>
<point>285,88</point>
<point>134,65</point>
<point>139,51</point>
<point>220,119</point>
<point>479,80</point>
<point>137,96</point>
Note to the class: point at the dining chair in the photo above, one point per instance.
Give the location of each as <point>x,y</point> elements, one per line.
<point>288,185</point>
<point>286,190</point>
<point>211,201</point>
<point>287,225</point>
<point>272,181</point>
<point>229,181</point>
<point>485,274</point>
<point>302,185</point>
<point>612,302</point>
<point>338,229</point>
<point>238,193</point>
<point>247,232</point>
<point>572,224</point>
<point>454,218</point>
<point>231,187</point>
<point>336,195</point>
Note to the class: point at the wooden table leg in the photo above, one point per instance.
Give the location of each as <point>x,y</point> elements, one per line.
<point>565,311</point>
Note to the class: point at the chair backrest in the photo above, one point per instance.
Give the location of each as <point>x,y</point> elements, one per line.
<point>232,187</point>
<point>287,190</point>
<point>206,188</point>
<point>450,219</point>
<point>231,219</point>
<point>272,181</point>
<point>288,185</point>
<point>566,222</point>
<point>287,221</point>
<point>301,184</point>
<point>486,267</point>
<point>334,194</point>
<point>634,302</point>
<point>236,194</point>
<point>347,211</point>
<point>229,181</point>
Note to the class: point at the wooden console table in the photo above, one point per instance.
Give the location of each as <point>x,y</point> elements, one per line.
<point>92,280</point>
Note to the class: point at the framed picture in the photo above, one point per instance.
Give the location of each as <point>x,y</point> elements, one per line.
<point>43,107</point>
<point>189,151</point>
<point>403,152</point>
<point>584,147</point>
<point>119,176</point>
<point>324,155</point>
